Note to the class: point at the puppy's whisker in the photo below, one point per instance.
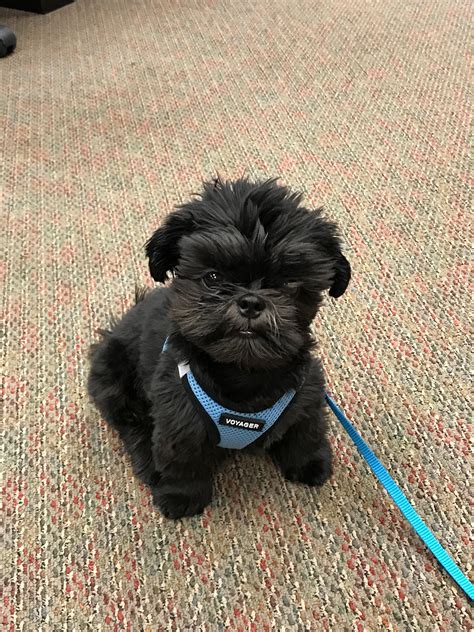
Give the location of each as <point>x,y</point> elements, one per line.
<point>273,324</point>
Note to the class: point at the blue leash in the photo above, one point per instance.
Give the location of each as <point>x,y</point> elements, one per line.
<point>403,503</point>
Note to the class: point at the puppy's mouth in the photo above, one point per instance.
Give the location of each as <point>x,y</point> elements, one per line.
<point>248,333</point>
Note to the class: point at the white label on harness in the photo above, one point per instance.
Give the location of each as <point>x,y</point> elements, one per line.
<point>242,423</point>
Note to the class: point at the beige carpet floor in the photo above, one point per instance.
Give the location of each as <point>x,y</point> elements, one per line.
<point>110,113</point>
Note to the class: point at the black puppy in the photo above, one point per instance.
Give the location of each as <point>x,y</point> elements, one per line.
<point>249,266</point>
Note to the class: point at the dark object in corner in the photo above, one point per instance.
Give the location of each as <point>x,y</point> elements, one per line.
<point>7,41</point>
<point>35,6</point>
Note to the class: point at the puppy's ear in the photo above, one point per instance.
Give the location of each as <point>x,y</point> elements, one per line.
<point>162,249</point>
<point>342,276</point>
<point>328,240</point>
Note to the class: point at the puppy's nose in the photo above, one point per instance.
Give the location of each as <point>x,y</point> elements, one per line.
<point>250,305</point>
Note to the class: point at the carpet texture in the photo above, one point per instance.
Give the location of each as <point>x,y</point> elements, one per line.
<point>110,113</point>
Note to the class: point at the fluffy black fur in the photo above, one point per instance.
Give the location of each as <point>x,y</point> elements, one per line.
<point>249,266</point>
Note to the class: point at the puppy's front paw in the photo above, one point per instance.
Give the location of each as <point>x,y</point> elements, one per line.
<point>315,472</point>
<point>177,500</point>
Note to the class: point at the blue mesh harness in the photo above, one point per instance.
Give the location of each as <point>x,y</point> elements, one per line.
<point>236,430</point>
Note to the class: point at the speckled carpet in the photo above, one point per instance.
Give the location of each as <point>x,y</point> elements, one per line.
<point>111,112</point>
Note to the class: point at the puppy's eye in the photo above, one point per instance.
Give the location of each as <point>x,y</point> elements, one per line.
<point>212,279</point>
<point>292,288</point>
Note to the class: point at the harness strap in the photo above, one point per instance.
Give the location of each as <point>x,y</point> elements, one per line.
<point>235,430</point>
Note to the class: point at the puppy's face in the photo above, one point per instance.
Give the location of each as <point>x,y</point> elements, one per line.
<point>250,267</point>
